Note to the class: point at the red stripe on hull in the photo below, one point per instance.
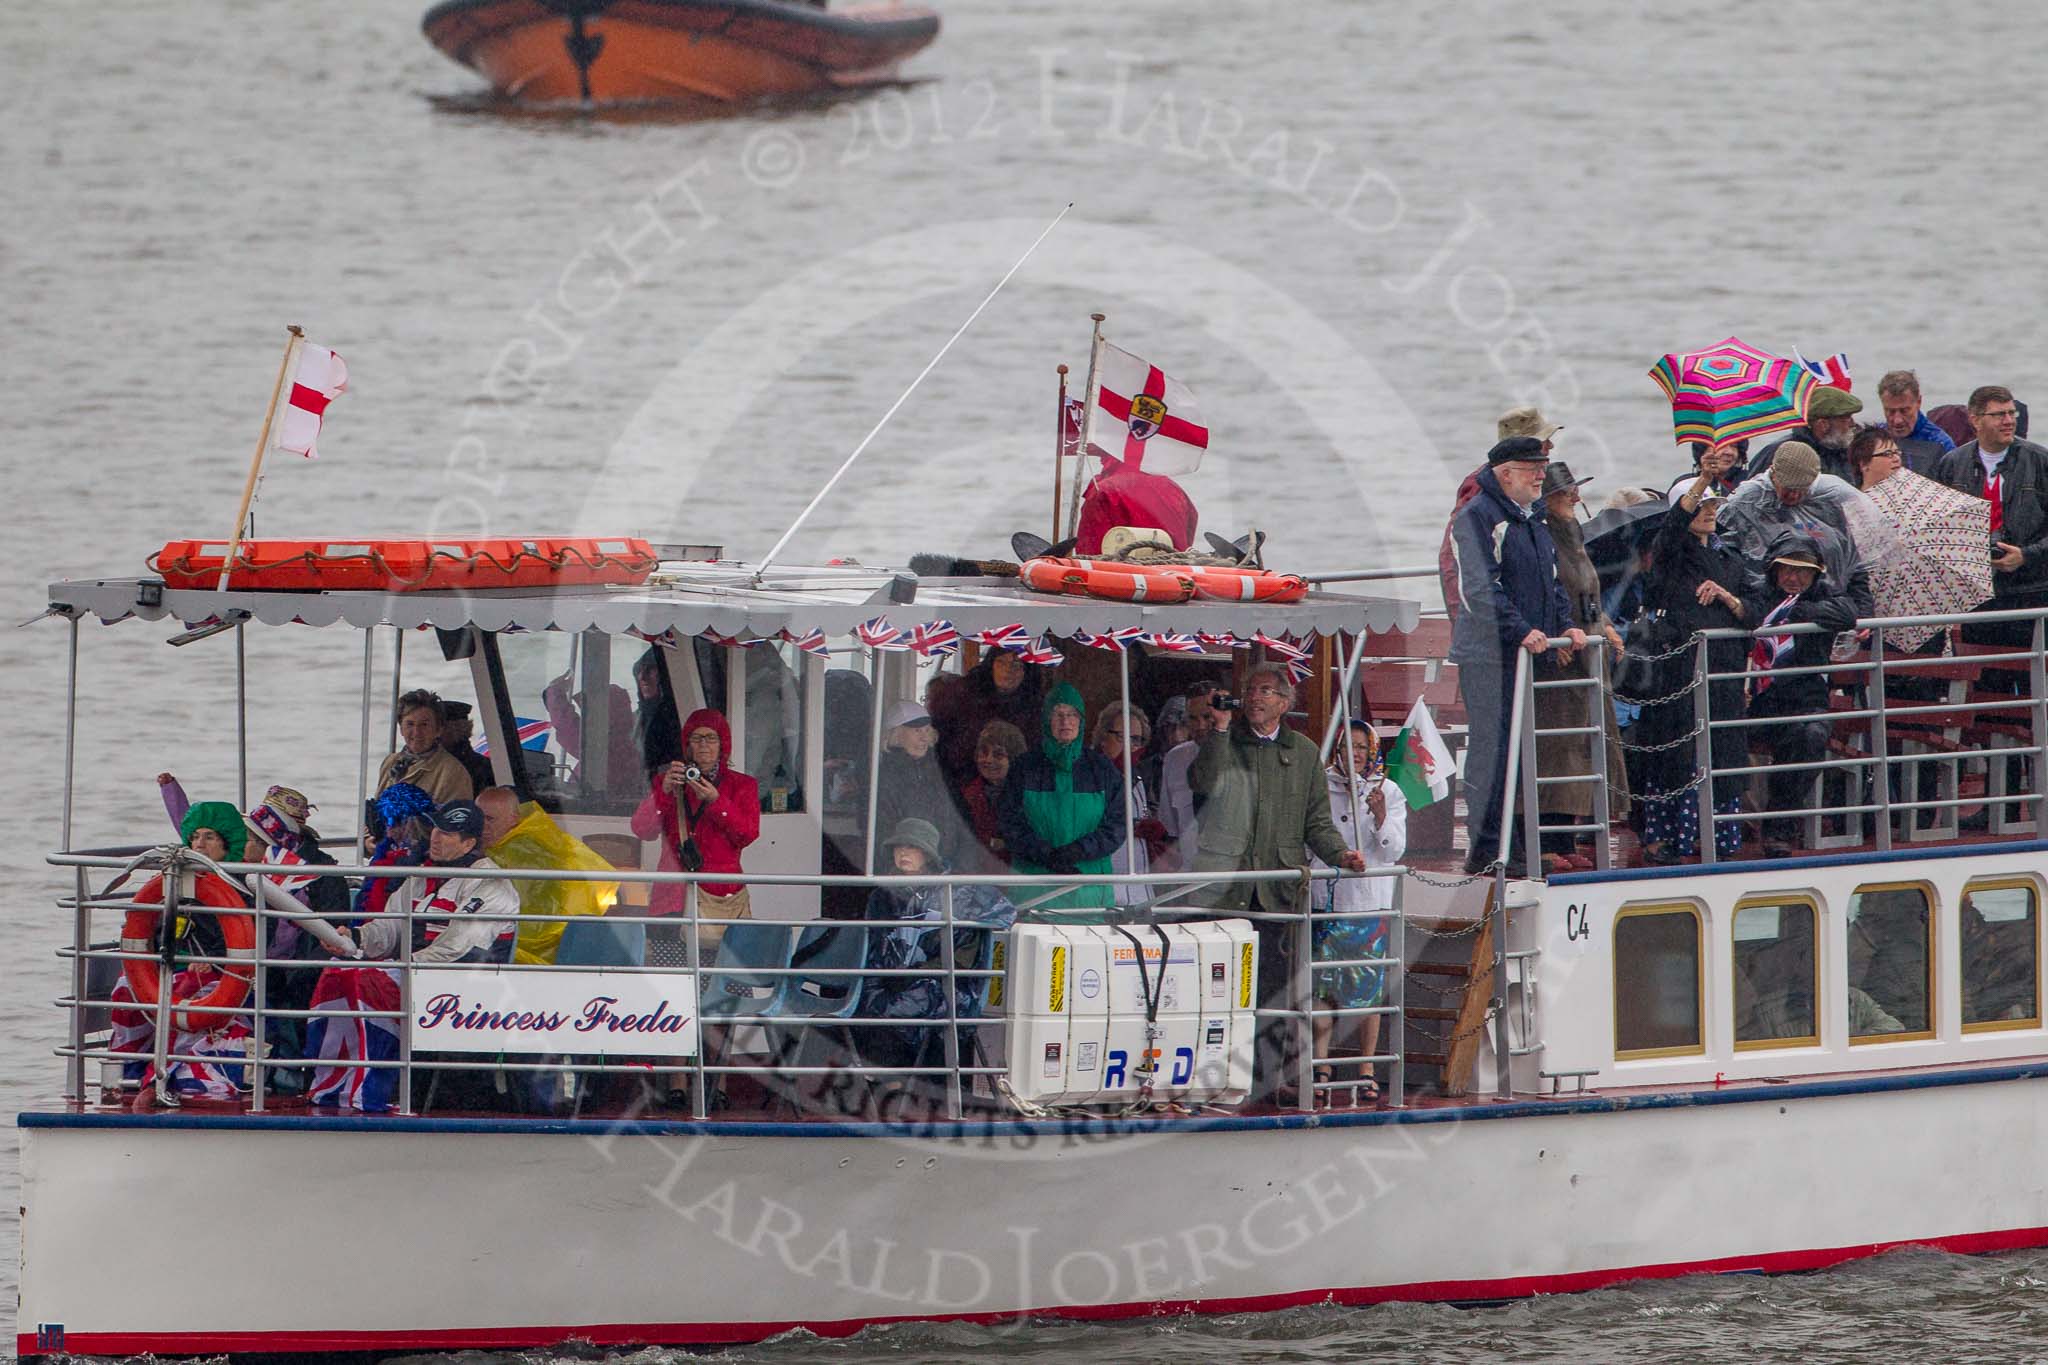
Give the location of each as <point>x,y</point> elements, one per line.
<point>720,1334</point>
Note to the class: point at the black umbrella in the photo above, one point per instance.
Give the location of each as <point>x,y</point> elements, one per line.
<point>1616,537</point>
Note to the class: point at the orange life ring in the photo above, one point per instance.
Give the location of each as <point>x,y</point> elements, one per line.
<point>1247,585</point>
<point>1103,578</point>
<point>138,935</point>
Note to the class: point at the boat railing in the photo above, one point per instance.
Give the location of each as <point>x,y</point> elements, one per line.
<point>1298,1007</point>
<point>1893,716</point>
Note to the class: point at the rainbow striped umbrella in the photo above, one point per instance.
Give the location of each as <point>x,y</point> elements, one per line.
<point>1732,391</point>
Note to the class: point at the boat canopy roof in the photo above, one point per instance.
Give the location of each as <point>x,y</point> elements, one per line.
<point>699,597</point>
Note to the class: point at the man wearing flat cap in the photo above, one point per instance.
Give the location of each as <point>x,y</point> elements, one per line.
<point>1514,422</point>
<point>1507,576</point>
<point>1830,427</point>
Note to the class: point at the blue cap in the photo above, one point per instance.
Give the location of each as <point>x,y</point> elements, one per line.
<point>460,817</point>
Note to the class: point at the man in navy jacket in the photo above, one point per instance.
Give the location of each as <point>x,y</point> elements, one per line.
<point>1507,574</point>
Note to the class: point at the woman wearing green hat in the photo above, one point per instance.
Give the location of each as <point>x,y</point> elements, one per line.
<point>1062,809</point>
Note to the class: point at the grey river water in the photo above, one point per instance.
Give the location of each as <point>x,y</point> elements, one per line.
<point>1358,230</point>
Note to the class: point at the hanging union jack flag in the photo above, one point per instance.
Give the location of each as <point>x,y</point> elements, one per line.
<point>1012,636</point>
<point>1143,417</point>
<point>1210,641</point>
<point>1116,639</point>
<point>879,634</point>
<point>1174,641</point>
<point>1832,372</point>
<point>934,637</point>
<point>1040,651</point>
<point>810,642</point>
<point>1286,651</point>
<point>533,734</point>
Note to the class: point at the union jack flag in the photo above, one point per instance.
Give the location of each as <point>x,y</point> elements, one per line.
<point>278,856</point>
<point>810,642</point>
<point>934,637</point>
<point>1012,636</point>
<point>729,641</point>
<point>1216,641</point>
<point>532,734</point>
<point>1832,372</point>
<point>879,634</point>
<point>667,639</point>
<point>1040,651</point>
<point>1174,641</point>
<point>1111,639</point>
<point>1295,656</point>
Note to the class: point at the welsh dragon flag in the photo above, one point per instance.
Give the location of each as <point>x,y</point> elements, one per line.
<point>1418,763</point>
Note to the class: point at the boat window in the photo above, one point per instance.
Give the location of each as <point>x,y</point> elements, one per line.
<point>2001,954</point>
<point>585,714</point>
<point>1776,978</point>
<point>1657,981</point>
<point>774,714</point>
<point>1891,962</point>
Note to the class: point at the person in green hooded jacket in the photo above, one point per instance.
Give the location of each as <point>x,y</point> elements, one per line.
<point>1062,809</point>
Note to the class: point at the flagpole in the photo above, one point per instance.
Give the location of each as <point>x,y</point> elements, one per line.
<point>1059,453</point>
<point>1087,414</point>
<point>284,367</point>
<point>930,365</point>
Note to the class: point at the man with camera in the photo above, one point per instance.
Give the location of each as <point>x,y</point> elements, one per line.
<point>1266,807</point>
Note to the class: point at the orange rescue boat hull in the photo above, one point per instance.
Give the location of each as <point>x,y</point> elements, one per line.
<point>628,51</point>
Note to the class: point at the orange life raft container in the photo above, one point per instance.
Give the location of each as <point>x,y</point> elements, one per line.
<point>1108,579</point>
<point>138,935</point>
<point>337,565</point>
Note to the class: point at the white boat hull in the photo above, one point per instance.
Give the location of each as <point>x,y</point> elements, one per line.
<point>238,1235</point>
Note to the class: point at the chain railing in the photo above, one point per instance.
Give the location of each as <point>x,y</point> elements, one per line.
<point>1300,1009</point>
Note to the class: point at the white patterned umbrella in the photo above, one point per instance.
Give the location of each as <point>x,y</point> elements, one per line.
<point>1943,561</point>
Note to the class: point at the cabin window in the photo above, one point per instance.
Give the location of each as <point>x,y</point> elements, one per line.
<point>592,725</point>
<point>1891,963</point>
<point>773,710</point>
<point>1776,973</point>
<point>1657,984</point>
<point>2001,955</point>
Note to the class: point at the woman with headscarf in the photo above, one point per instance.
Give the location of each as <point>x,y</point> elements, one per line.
<point>1573,708</point>
<point>705,812</point>
<point>212,829</point>
<point>1372,815</point>
<point>1063,807</point>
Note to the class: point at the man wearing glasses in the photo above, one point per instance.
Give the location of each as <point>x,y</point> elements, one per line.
<point>2012,475</point>
<point>1266,806</point>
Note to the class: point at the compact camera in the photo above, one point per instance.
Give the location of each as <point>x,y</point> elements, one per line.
<point>692,773</point>
<point>1223,701</point>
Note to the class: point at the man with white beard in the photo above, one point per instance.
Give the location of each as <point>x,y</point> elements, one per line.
<point>1830,427</point>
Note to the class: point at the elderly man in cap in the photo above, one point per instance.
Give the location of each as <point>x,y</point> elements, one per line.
<point>1830,426</point>
<point>1507,571</point>
<point>1515,422</point>
<point>1794,495</point>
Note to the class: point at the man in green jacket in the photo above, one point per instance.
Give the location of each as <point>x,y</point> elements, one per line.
<point>1265,804</point>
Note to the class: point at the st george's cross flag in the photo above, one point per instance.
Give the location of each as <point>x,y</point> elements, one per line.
<point>315,381</point>
<point>1143,417</point>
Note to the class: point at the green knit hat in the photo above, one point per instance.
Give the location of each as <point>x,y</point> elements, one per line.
<point>1062,694</point>
<point>220,817</point>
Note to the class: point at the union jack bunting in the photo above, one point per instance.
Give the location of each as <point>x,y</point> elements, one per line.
<point>722,641</point>
<point>1012,636</point>
<point>879,634</point>
<point>1174,641</point>
<point>1110,639</point>
<point>1286,651</point>
<point>1216,641</point>
<point>934,637</point>
<point>1040,651</point>
<point>810,642</point>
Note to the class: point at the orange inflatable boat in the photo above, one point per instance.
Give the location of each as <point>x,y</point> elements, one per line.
<point>622,51</point>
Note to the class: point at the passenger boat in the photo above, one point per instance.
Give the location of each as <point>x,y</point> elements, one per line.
<point>618,51</point>
<point>1595,1077</point>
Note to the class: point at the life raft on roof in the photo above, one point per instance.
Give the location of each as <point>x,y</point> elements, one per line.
<point>1126,581</point>
<point>408,565</point>
<point>622,51</point>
